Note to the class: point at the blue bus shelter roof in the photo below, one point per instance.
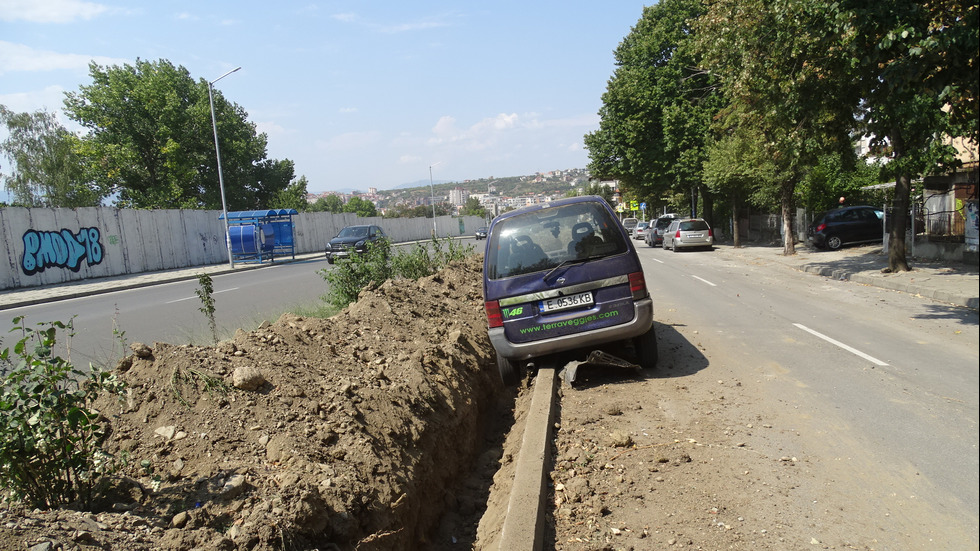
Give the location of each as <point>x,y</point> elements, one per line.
<point>252,214</point>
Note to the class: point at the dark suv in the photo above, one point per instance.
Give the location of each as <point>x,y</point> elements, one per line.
<point>564,276</point>
<point>353,239</point>
<point>655,234</point>
<point>835,228</point>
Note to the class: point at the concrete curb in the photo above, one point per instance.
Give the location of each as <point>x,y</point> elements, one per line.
<point>895,285</point>
<point>524,524</point>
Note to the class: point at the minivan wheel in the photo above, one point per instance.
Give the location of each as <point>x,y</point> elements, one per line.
<point>834,242</point>
<point>510,373</point>
<point>646,349</point>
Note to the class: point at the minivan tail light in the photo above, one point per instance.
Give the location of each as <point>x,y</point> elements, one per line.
<point>678,234</point>
<point>711,233</point>
<point>821,227</point>
<point>494,317</point>
<point>638,285</point>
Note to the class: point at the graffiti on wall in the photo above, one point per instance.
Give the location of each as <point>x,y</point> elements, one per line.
<point>61,249</point>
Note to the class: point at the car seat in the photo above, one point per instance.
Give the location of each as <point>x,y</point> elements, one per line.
<point>526,252</point>
<point>583,238</point>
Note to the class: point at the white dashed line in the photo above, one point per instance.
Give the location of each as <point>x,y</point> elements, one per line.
<point>854,351</point>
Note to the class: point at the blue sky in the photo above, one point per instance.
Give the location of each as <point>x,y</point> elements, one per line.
<point>356,93</point>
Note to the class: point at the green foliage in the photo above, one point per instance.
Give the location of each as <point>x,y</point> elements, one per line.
<point>330,203</point>
<point>352,274</point>
<point>50,436</point>
<point>47,169</point>
<point>382,262</point>
<point>360,207</point>
<point>832,179</point>
<point>292,197</point>
<point>151,140</point>
<point>205,292</point>
<point>657,107</point>
<point>473,208</point>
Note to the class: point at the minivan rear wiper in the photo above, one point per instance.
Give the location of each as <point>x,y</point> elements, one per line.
<point>569,263</point>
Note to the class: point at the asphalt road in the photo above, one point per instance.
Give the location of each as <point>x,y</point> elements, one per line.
<point>171,313</point>
<point>880,386</point>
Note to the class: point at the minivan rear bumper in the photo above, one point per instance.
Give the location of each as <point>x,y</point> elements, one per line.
<point>641,323</point>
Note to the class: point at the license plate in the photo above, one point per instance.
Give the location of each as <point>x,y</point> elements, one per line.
<point>695,235</point>
<point>564,303</point>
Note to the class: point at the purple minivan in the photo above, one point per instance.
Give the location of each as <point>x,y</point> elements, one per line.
<point>563,277</point>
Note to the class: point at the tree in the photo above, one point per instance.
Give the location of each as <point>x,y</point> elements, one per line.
<point>361,207</point>
<point>151,141</point>
<point>657,108</point>
<point>46,170</point>
<point>330,203</point>
<point>293,197</point>
<point>473,208</point>
<point>737,169</point>
<point>916,67</point>
<point>782,71</point>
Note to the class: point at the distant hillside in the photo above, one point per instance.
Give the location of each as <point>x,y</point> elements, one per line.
<point>512,186</point>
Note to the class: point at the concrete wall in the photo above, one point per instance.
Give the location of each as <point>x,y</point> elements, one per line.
<point>54,246</point>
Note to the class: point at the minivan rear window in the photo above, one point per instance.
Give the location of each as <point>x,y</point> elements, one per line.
<point>693,225</point>
<point>540,240</point>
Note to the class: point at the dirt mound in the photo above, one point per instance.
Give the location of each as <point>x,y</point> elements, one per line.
<point>304,433</point>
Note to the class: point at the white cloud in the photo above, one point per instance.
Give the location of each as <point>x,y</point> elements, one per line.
<point>48,11</point>
<point>50,98</point>
<point>345,17</point>
<point>346,110</point>
<point>409,159</point>
<point>477,136</point>
<point>18,57</point>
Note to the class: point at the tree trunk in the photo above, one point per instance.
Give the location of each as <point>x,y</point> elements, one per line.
<point>786,206</point>
<point>897,262</point>
<point>736,234</point>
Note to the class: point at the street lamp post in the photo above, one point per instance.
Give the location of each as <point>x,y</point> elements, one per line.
<point>432,192</point>
<point>221,180</point>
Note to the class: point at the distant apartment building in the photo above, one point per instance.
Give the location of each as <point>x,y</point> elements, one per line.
<point>458,196</point>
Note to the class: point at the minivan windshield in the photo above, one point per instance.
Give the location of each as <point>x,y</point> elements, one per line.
<point>542,239</point>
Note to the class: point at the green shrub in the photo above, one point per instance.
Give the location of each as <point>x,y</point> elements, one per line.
<point>356,272</point>
<point>50,436</point>
<point>381,263</point>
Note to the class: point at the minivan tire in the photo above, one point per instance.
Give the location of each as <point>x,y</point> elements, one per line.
<point>834,242</point>
<point>511,373</point>
<point>646,349</point>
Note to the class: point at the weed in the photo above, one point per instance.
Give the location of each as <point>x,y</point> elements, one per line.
<point>206,293</point>
<point>50,436</point>
<point>198,380</point>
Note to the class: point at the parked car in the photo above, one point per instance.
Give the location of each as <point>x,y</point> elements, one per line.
<point>655,234</point>
<point>353,239</point>
<point>630,224</point>
<point>688,233</point>
<point>560,277</point>
<point>835,228</point>
<point>481,233</point>
<point>640,230</point>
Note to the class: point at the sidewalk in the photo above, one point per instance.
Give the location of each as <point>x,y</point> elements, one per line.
<point>952,283</point>
<point>956,284</point>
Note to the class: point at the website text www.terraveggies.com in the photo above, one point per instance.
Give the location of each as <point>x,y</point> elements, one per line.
<point>572,322</point>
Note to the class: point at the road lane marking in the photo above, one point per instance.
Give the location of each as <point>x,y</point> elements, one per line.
<point>195,296</point>
<point>704,280</point>
<point>854,351</point>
